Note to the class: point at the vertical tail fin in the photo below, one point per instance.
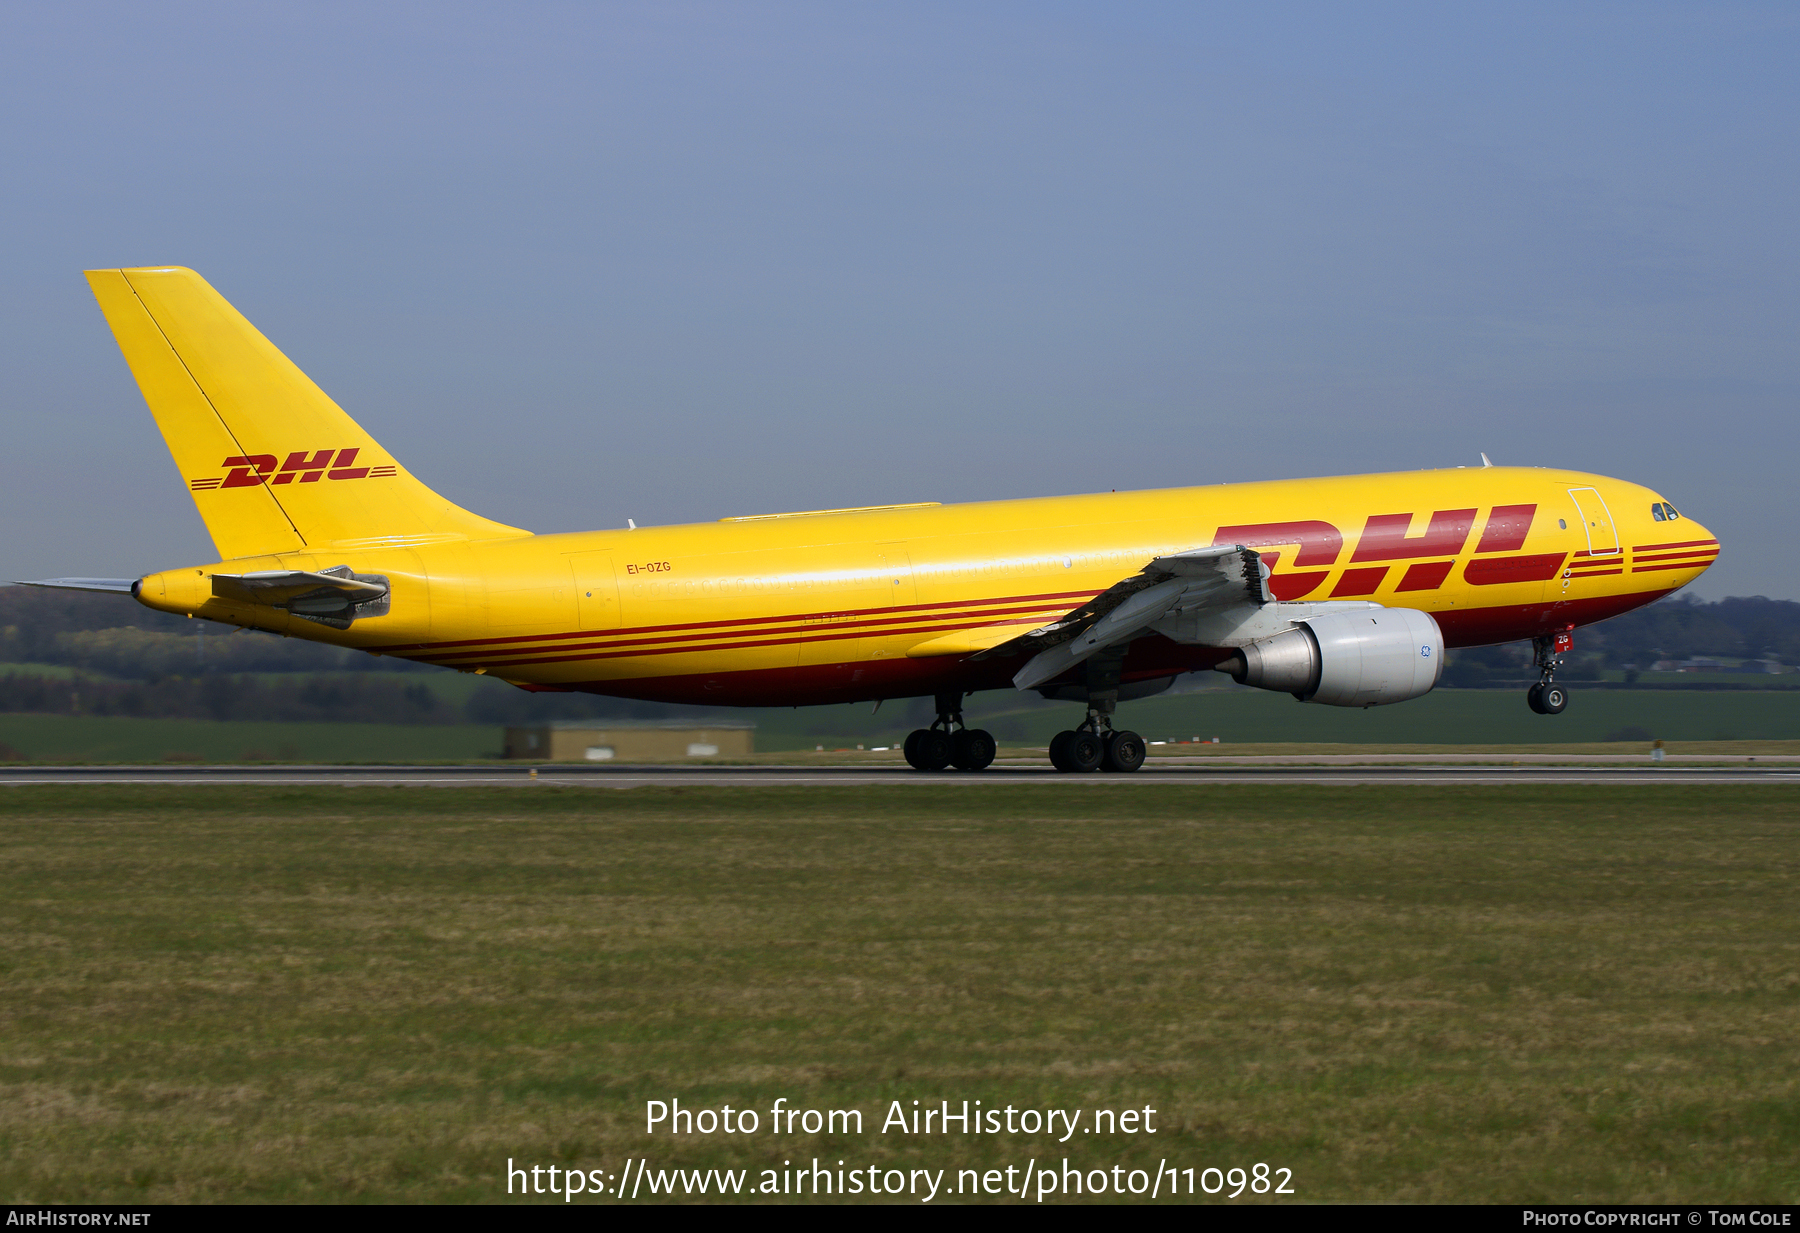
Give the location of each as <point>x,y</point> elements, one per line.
<point>272,463</point>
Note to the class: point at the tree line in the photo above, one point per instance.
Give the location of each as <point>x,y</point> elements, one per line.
<point>1677,628</point>
<point>75,653</point>
<point>340,697</point>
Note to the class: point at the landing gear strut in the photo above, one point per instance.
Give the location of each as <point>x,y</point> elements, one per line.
<point>1547,697</point>
<point>1095,744</point>
<point>948,743</point>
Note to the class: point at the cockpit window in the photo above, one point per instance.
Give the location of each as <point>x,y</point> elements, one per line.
<point>1670,511</point>
<point>1656,511</point>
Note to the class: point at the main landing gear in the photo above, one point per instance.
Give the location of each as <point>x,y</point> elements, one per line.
<point>947,743</point>
<point>1096,745</point>
<point>1088,748</point>
<point>1547,697</point>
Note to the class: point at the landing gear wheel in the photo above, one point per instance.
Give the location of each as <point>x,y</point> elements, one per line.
<point>1534,698</point>
<point>971,749</point>
<point>1124,752</point>
<point>1084,752</point>
<point>927,749</point>
<point>1059,751</point>
<point>932,752</point>
<point>1553,699</point>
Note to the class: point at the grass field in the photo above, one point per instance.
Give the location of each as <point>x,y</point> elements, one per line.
<point>1476,994</point>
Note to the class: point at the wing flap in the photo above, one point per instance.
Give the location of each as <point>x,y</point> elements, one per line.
<point>1204,579</point>
<point>971,641</point>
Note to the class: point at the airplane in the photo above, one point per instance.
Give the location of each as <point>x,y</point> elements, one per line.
<point>1342,591</point>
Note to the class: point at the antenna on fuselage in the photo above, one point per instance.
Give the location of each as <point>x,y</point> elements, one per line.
<point>1485,462</point>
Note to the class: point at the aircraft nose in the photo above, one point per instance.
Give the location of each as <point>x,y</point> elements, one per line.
<point>1694,547</point>
<point>1697,531</point>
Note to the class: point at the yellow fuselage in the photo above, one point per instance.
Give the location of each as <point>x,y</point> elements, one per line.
<point>841,606</point>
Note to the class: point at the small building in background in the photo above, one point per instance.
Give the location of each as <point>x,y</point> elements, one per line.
<point>587,740</point>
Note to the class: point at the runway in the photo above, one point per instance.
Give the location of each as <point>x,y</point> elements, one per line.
<point>1183,772</point>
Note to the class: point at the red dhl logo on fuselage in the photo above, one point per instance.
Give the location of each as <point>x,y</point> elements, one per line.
<point>1384,538</point>
<point>250,470</point>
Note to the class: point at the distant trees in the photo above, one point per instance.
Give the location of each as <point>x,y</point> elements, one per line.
<point>114,635</point>
<point>1474,667</point>
<point>1682,627</point>
<point>70,653</point>
<point>342,698</point>
<point>1679,627</point>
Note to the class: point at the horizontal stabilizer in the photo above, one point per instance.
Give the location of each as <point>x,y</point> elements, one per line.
<point>278,586</point>
<point>121,586</point>
<point>333,597</point>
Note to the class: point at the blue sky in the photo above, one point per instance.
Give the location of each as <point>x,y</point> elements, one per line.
<point>578,263</point>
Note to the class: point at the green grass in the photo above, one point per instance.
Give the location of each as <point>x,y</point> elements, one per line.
<point>1511,994</point>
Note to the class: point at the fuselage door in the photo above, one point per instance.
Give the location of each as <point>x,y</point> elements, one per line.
<point>1596,520</point>
<point>896,567</point>
<point>596,590</point>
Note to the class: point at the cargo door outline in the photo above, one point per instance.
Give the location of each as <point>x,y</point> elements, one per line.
<point>1596,521</point>
<point>851,627</point>
<point>596,590</point>
<point>903,592</point>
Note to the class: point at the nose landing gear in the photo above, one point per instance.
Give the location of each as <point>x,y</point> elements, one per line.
<point>948,743</point>
<point>1547,697</point>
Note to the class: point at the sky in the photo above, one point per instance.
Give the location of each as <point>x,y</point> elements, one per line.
<point>670,261</point>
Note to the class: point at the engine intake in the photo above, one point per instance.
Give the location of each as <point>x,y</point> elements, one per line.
<point>1364,658</point>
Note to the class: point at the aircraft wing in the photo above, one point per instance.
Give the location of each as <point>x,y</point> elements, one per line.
<point>1185,584</point>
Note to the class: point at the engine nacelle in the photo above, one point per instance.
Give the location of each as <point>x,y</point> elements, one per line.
<point>1362,658</point>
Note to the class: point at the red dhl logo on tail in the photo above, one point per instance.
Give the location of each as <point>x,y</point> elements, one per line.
<point>248,470</point>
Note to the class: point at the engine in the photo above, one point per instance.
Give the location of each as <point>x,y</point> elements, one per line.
<point>1363,658</point>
